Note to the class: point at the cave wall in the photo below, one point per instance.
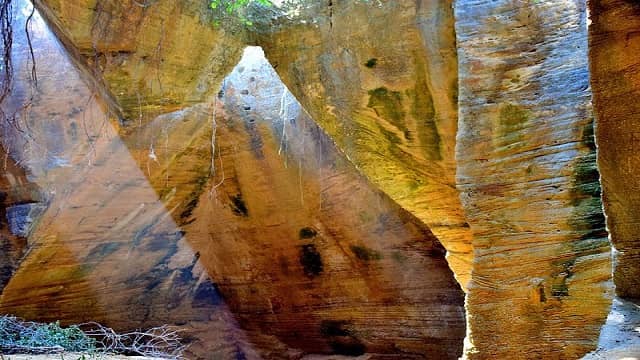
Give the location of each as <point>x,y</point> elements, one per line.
<point>528,180</point>
<point>381,80</point>
<point>615,79</point>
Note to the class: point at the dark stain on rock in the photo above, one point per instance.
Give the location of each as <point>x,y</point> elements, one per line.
<point>238,206</point>
<point>388,105</point>
<point>512,120</point>
<point>349,346</point>
<point>425,115</point>
<point>587,217</point>
<point>510,129</point>
<point>542,295</point>
<point>142,234</point>
<point>560,290</point>
<point>588,135</point>
<point>311,260</point>
<point>308,233</point>
<point>239,354</point>
<point>371,63</point>
<point>255,138</point>
<point>73,131</point>
<point>341,338</point>
<point>103,250</point>
<point>390,136</point>
<point>194,197</point>
<point>330,328</point>
<point>188,210</point>
<point>559,287</point>
<point>365,254</point>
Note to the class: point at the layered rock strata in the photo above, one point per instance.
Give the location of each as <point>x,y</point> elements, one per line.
<point>381,79</point>
<point>304,249</point>
<point>528,180</point>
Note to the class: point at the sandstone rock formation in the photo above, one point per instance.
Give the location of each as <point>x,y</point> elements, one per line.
<point>144,228</point>
<point>270,232</point>
<point>614,77</point>
<point>529,182</point>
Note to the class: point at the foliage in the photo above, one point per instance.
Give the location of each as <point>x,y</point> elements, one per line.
<point>235,7</point>
<point>231,6</point>
<point>30,337</point>
<point>19,336</point>
<point>248,11</point>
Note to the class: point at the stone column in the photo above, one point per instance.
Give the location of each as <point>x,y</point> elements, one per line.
<point>528,180</point>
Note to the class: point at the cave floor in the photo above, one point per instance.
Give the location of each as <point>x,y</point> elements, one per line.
<point>620,336</point>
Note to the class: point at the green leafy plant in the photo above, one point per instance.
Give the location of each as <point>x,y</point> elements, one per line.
<point>235,8</point>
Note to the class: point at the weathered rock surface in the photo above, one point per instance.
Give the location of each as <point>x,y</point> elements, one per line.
<point>159,55</point>
<point>381,79</point>
<point>615,78</point>
<point>528,179</point>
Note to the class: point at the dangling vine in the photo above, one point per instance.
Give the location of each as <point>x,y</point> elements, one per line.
<point>6,20</point>
<point>6,64</point>
<point>34,75</point>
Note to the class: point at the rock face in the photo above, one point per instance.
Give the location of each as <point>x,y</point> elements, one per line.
<point>615,77</point>
<point>381,80</point>
<point>528,180</point>
<point>277,230</point>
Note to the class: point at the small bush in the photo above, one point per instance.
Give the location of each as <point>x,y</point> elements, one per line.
<point>28,337</point>
<point>19,336</point>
